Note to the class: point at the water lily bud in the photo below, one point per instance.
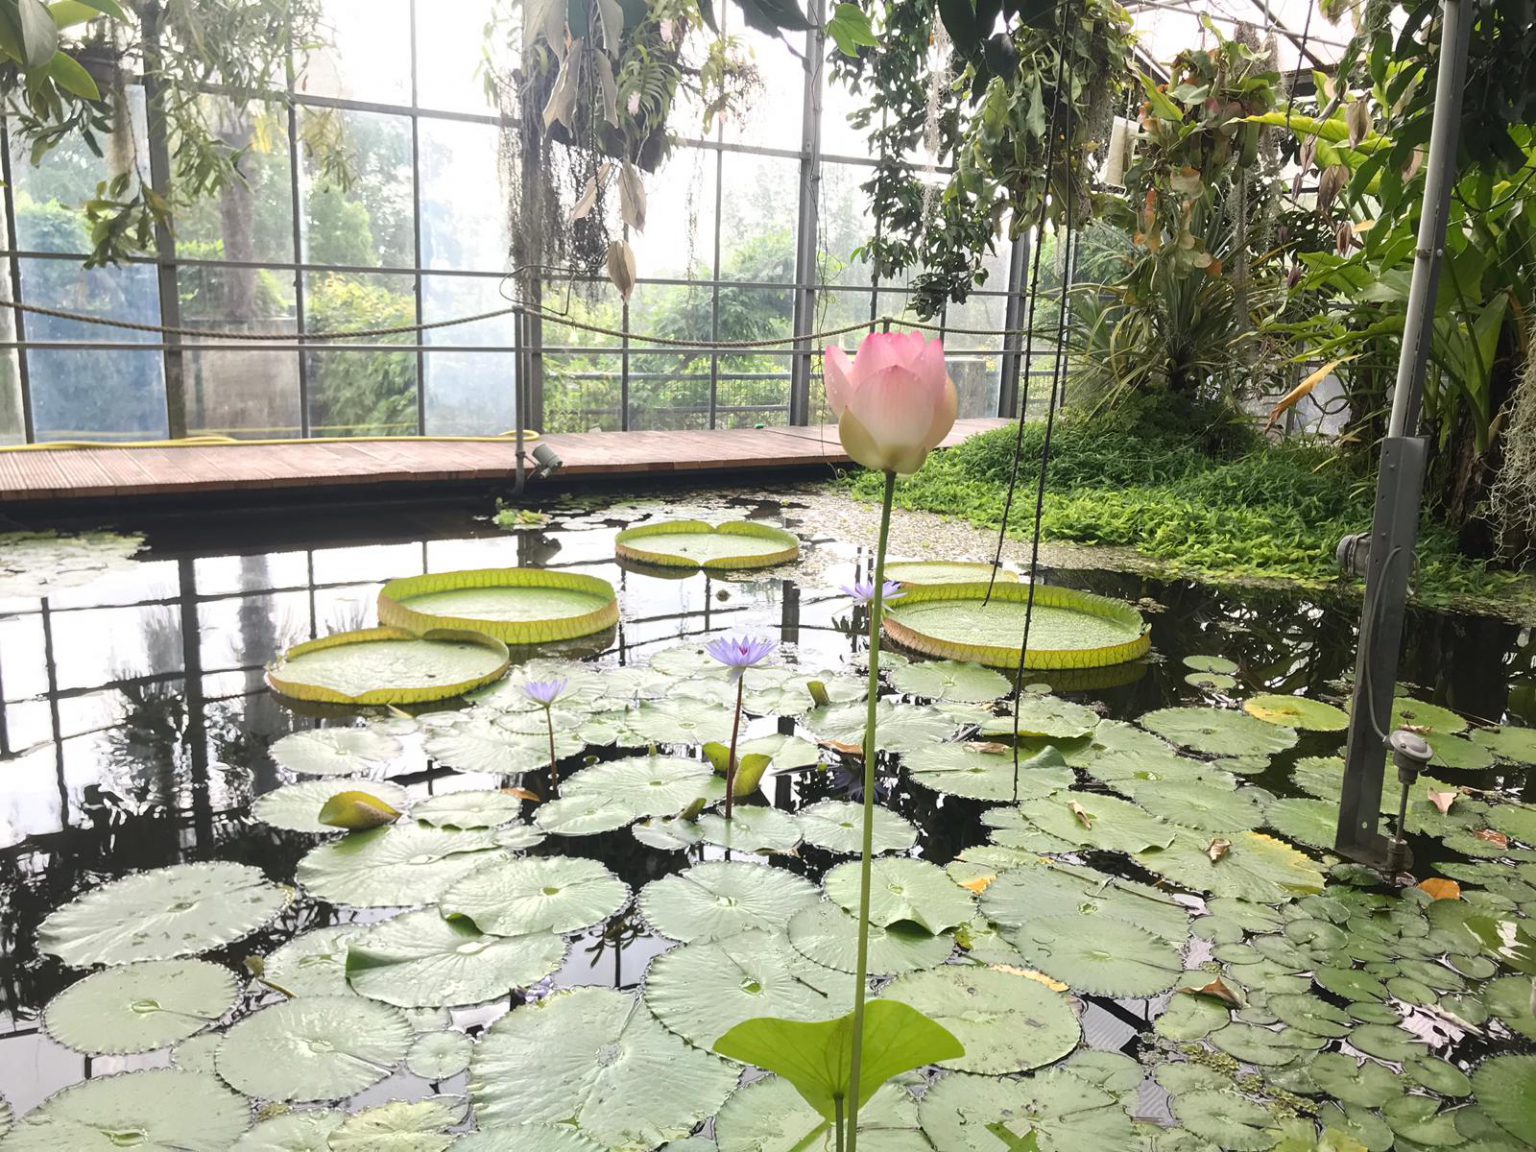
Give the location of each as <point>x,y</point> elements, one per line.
<point>894,402</point>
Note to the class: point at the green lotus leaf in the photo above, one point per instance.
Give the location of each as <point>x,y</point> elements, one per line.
<point>1348,1128</point>
<point>1517,821</point>
<point>1219,664</point>
<point>646,785</point>
<point>379,666</point>
<point>1297,712</point>
<point>1416,1119</point>
<point>421,960</point>
<point>163,914</point>
<point>394,867</point>
<point>296,807</point>
<point>292,1132</point>
<point>697,544</point>
<point>1351,983</point>
<point>1044,717</point>
<point>1311,822</point>
<point>160,1110</point>
<point>401,1127</point>
<point>753,829</point>
<point>314,1048</point>
<point>681,720</point>
<point>438,1055</point>
<point>528,1138</point>
<point>949,680</point>
<point>1368,1084</point>
<point>828,935</point>
<point>1190,1018</point>
<point>668,834</point>
<point>515,605</point>
<point>468,811</point>
<point>558,894</point>
<point>1094,820</point>
<point>703,990</point>
<point>536,1065</point>
<point>1028,893</point>
<point>1229,1121</point>
<point>1312,1014</point>
<point>481,746</point>
<point>789,692</point>
<point>1429,720</point>
<point>1218,731</point>
<point>1255,867</point>
<point>979,773</point>
<point>903,891</point>
<point>312,964</point>
<point>1506,1090</point>
<point>838,826</point>
<point>1099,956</point>
<point>1482,1133</point>
<point>1459,754</point>
<point>335,751</point>
<point>770,1115</point>
<point>1516,745</point>
<point>1065,1113</point>
<point>900,727</point>
<point>718,898</point>
<point>1196,805</point>
<point>1006,1022</point>
<point>1217,929</point>
<point>140,1007</point>
<point>1243,765</point>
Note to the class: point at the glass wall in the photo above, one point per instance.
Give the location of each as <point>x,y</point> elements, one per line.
<point>419,234</point>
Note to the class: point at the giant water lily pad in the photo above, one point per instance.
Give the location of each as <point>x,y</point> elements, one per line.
<point>984,772</point>
<point>1506,1090</point>
<point>314,1048</point>
<point>394,867</point>
<point>946,572</point>
<point>769,1115</point>
<point>1218,731</point>
<point>720,898</point>
<point>421,960</point>
<point>597,1061</point>
<point>645,785</point>
<point>161,1110</point>
<point>1297,712</point>
<point>296,807</point>
<point>536,894</point>
<point>140,1007</point>
<point>1006,1021</point>
<point>1065,1112</point>
<point>515,605</point>
<point>1099,956</point>
<point>160,915</point>
<point>308,1131</point>
<point>703,990</point>
<point>903,890</point>
<point>838,826</point>
<point>1068,629</point>
<point>312,964</point>
<point>335,751</point>
<point>828,935</point>
<point>388,666</point>
<point>949,680</point>
<point>1247,865</point>
<point>697,544</point>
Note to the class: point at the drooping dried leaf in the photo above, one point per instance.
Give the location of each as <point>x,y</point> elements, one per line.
<point>1442,800</point>
<point>523,794</point>
<point>1082,815</point>
<point>845,748</point>
<point>621,267</point>
<point>1359,120</point>
<point>1492,837</point>
<point>1217,990</point>
<point>632,197</point>
<point>1217,850</point>
<point>988,747</point>
<point>1031,974</point>
<point>1441,888</point>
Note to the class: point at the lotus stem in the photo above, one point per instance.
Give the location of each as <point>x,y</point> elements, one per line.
<point>730,762</point>
<point>861,979</point>
<point>837,1102</point>
<point>554,767</point>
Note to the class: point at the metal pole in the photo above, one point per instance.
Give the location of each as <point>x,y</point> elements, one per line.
<point>809,224</point>
<point>165,241</point>
<point>1013,321</point>
<point>1400,482</point>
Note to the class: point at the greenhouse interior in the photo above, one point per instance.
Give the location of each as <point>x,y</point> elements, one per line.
<point>768,576</point>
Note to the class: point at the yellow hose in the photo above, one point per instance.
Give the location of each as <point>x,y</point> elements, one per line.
<point>229,441</point>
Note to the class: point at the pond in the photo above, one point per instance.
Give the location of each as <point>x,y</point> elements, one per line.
<point>1152,948</point>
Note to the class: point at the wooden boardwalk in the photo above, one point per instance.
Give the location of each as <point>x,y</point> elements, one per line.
<point>68,474</point>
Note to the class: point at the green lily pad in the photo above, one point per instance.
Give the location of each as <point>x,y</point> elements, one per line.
<point>828,935</point>
<point>1219,664</point>
<point>1311,822</point>
<point>394,867</point>
<point>1255,867</point>
<point>1513,1000</point>
<point>1506,1090</point>
<point>1065,1112</point>
<point>140,1007</point>
<point>421,960</point>
<point>1297,712</point>
<point>683,720</point>
<point>583,816</point>
<point>1028,893</point>
<point>312,964</point>
<point>646,785</point>
<point>1044,717</point>
<point>160,1110</point>
<point>1429,720</point>
<point>479,746</point>
<point>1517,821</point>
<point>769,1115</point>
<point>1516,745</point>
<point>438,1055</point>
<point>903,891</point>
<point>1439,1076</point>
<point>1218,731</point>
<point>335,751</point>
<point>1459,754</point>
<point>296,807</point>
<point>1351,983</point>
<point>719,898</point>
<point>293,1132</point>
<point>44,563</point>
<point>694,544</point>
<point>1368,1084</point>
<point>753,829</point>
<point>1265,1047</point>
<point>1007,1022</point>
<point>838,826</point>
<point>1199,806</point>
<point>1099,956</point>
<point>536,894</point>
<point>401,1127</point>
<point>1312,1014</point>
<point>949,680</point>
<point>536,1064</point>
<point>163,914</point>
<point>1190,1018</point>
<point>703,990</point>
<point>900,727</point>
<point>314,1048</point>
<point>196,1053</point>
<point>1094,820</point>
<point>1229,1121</point>
<point>1417,1120</point>
<point>529,1138</point>
<point>981,773</point>
<point>668,834</point>
<point>1217,682</point>
<point>1385,1042</point>
<point>468,811</point>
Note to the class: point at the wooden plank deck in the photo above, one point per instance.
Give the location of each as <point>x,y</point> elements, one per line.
<point>108,473</point>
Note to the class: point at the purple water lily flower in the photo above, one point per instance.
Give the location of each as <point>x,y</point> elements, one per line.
<point>863,591</point>
<point>740,652</point>
<point>544,692</point>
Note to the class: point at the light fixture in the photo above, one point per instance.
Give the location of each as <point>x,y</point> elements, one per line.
<point>546,459</point>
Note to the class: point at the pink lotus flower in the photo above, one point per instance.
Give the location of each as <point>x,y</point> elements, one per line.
<point>894,402</point>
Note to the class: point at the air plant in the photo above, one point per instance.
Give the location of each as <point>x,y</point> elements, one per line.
<point>545,693</point>
<point>738,653</point>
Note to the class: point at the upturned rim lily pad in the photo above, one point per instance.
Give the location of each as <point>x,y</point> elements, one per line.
<point>733,544</point>
<point>378,666</point>
<point>513,605</point>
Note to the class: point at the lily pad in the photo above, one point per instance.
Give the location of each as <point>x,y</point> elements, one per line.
<point>753,829</point>
<point>43,563</point>
<point>1265,1047</point>
<point>438,1055</point>
<point>828,935</point>
<point>1297,712</point>
<point>1460,754</point>
<point>769,1115</point>
<point>838,826</point>
<point>1006,1021</point>
<point>1024,894</point>
<point>982,773</point>
<point>900,727</point>
<point>140,1007</point>
<point>1368,1084</point>
<point>646,785</point>
<point>1506,1090</point>
<point>296,807</point>
<point>394,867</point>
<point>945,572</point>
<point>379,666</point>
<point>903,891</point>
<point>1218,731</point>
<point>1197,805</point>
<point>536,894</point>
<point>1229,1121</point>
<point>1516,745</point>
<point>465,811</point>
<point>1217,664</point>
<point>1311,822</point>
<point>335,751</point>
<point>734,544</point>
<point>483,747</point>
<point>583,816</point>
<point>703,990</point>
<point>682,720</point>
<point>160,915</point>
<point>717,899</point>
<point>668,834</point>
<point>160,1110</point>
<point>312,964</point>
<point>400,1127</point>
<point>515,605</point>
<point>1429,720</point>
<point>1385,1042</point>
<point>1065,1112</point>
<point>1312,1014</point>
<point>293,1132</point>
<point>1190,1018</point>
<point>1254,867</point>
<point>647,1087</point>
<point>314,1048</point>
<point>1100,956</point>
<point>421,960</point>
<point>1045,717</point>
<point>1439,1076</point>
<point>528,1138</point>
<point>1094,820</point>
<point>1513,1000</point>
<point>949,680</point>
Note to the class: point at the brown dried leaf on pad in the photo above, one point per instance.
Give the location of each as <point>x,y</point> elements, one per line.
<point>1218,849</point>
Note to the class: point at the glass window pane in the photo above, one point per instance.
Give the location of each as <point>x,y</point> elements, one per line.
<point>679,238</point>
<point>976,378</point>
<point>13,428</point>
<point>250,220</point>
<point>248,393</point>
<point>368,223</point>
<point>463,203</point>
<point>360,390</point>
<point>366,54</point>
<point>757,234</point>
<point>845,224</point>
<point>982,316</point>
<point>838,137</point>
<point>669,390</point>
<point>672,311</point>
<point>468,393</point>
<point>581,392</point>
<point>753,390</point>
<point>772,117</point>
<point>450,52</point>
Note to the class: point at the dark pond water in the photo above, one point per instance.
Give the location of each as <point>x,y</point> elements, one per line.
<point>135,724</point>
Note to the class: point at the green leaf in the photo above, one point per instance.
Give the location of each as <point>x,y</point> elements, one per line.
<point>536,894</point>
<point>1506,1089</point>
<point>158,1109</point>
<point>903,890</point>
<point>293,1132</point>
<point>67,73</point>
<point>849,29</point>
<point>39,34</point>
<point>105,7</point>
<point>837,826</point>
<point>816,1058</point>
<point>140,1007</point>
<point>314,1048</point>
<point>357,811</point>
<point>334,751</point>
<point>719,898</point>
<point>394,867</point>
<point>1007,1021</point>
<point>400,1127</point>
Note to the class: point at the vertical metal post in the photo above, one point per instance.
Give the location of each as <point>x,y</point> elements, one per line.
<point>29,431</point>
<point>1400,482</point>
<point>714,288</point>
<point>809,225</point>
<point>165,241</point>
<point>421,337</point>
<point>299,286</point>
<point>1013,321</point>
<point>624,367</point>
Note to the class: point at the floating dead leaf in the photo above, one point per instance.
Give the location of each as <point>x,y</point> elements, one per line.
<point>1031,974</point>
<point>1217,850</point>
<point>978,884</point>
<point>845,749</point>
<point>1442,800</point>
<point>1216,990</point>
<point>1441,888</point>
<point>1082,815</point>
<point>1488,835</point>
<point>521,794</point>
<point>988,747</point>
